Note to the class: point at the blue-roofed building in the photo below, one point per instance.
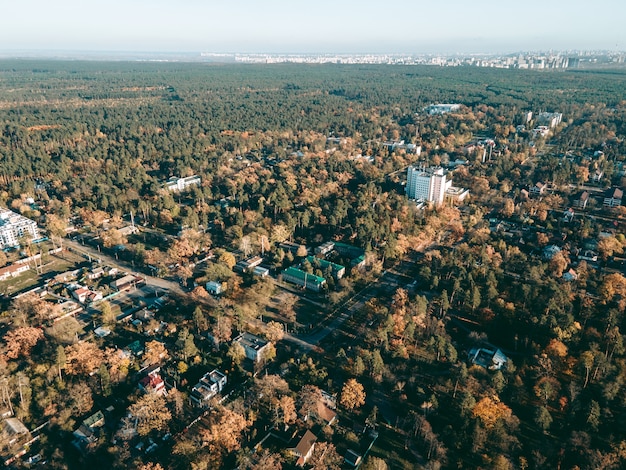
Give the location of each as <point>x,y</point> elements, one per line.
<point>492,359</point>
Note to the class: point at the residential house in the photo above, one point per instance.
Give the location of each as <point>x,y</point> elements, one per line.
<point>253,346</point>
<point>66,276</point>
<point>588,255</point>
<point>85,295</point>
<point>95,273</point>
<point>538,189</point>
<point>13,270</point>
<point>582,200</point>
<point>304,448</point>
<point>134,349</point>
<point>303,279</point>
<point>570,275</point>
<point>613,197</point>
<point>569,215</point>
<point>550,251</point>
<point>88,431</point>
<point>127,282</point>
<point>102,332</point>
<point>152,383</point>
<point>524,195</point>
<point>207,387</point>
<point>325,414</point>
<point>492,359</point>
<point>352,458</point>
<point>597,176</point>
<point>214,287</point>
<point>15,430</point>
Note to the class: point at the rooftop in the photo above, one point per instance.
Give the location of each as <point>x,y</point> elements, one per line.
<point>251,341</point>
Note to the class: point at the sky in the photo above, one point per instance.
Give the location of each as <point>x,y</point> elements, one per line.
<point>314,26</point>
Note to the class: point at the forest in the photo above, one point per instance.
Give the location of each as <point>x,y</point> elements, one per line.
<point>304,154</point>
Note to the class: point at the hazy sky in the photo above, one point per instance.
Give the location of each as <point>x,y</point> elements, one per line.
<point>412,26</point>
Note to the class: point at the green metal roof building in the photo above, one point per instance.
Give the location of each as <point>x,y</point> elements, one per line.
<point>337,269</point>
<point>304,279</point>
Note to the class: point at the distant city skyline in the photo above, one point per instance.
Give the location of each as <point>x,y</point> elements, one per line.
<point>282,26</point>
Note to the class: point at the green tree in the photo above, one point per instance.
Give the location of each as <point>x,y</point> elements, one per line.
<point>107,317</point>
<point>543,418</point>
<point>236,353</point>
<point>105,380</point>
<point>61,360</point>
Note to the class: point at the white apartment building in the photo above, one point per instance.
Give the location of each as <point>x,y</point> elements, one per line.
<point>13,226</point>
<point>182,184</point>
<point>427,184</point>
<point>550,120</point>
<point>442,108</point>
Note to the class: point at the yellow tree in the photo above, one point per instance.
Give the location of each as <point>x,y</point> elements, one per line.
<point>151,413</point>
<point>118,364</point>
<point>20,341</point>
<point>287,407</point>
<point>151,466</point>
<point>155,353</point>
<point>274,331</point>
<point>613,285</point>
<point>224,434</point>
<point>608,246</point>
<point>325,457</point>
<point>30,308</point>
<point>352,395</point>
<point>489,410</point>
<point>56,228</point>
<point>83,358</point>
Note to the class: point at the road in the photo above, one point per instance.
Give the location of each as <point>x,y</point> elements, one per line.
<point>151,281</point>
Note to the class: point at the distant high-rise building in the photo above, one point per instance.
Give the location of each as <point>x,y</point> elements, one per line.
<point>427,184</point>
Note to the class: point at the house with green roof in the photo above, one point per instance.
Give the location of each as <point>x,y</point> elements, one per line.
<point>338,270</point>
<point>301,278</point>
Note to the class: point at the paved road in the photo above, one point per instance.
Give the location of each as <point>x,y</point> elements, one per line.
<point>109,260</point>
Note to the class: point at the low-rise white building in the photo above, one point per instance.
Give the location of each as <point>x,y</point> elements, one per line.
<point>214,287</point>
<point>253,346</point>
<point>208,386</point>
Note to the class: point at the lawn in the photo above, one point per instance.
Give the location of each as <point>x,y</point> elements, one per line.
<point>390,447</point>
<point>56,263</point>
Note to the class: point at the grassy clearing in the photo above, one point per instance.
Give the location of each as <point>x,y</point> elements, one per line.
<point>50,264</point>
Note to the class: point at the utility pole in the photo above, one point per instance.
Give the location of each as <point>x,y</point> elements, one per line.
<point>19,384</point>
